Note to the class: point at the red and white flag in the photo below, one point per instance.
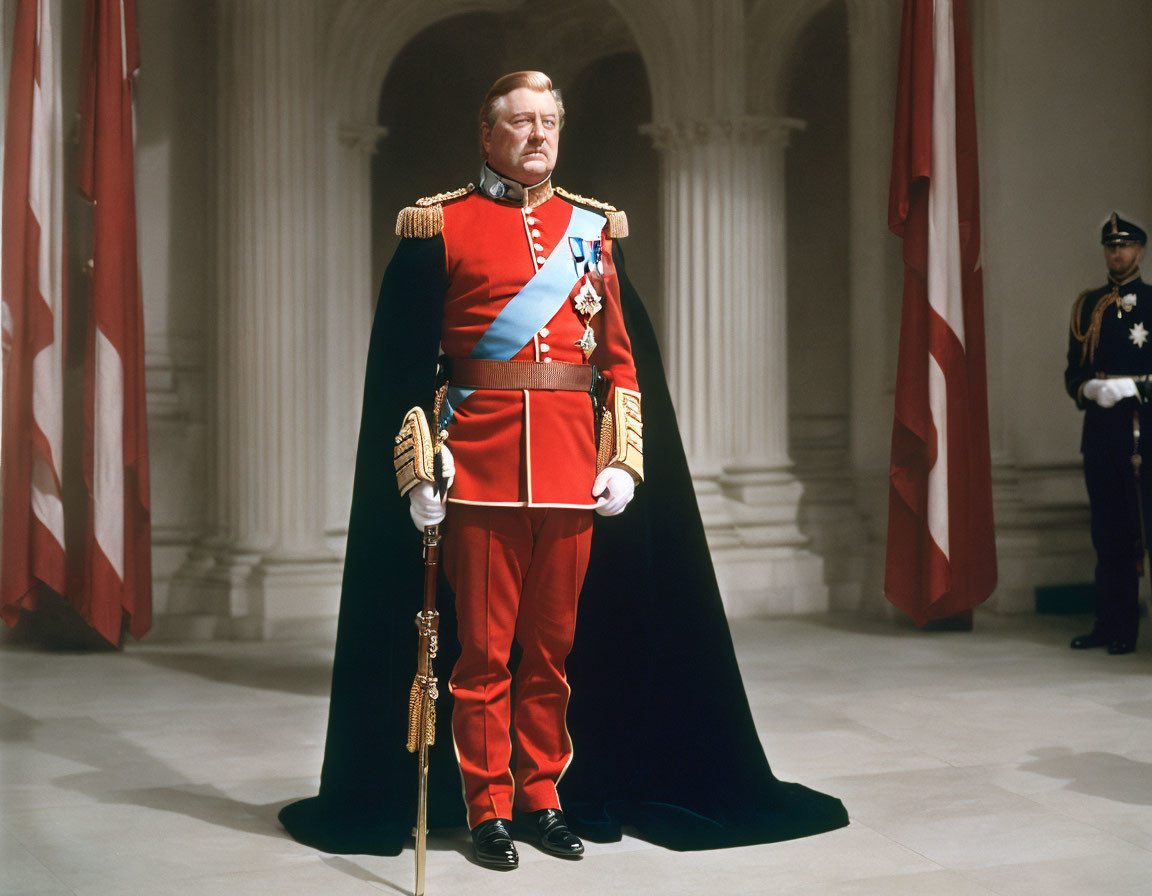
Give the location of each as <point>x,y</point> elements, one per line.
<point>941,555</point>
<point>34,294</point>
<point>117,552</point>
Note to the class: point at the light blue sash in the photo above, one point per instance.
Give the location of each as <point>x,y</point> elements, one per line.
<point>532,307</point>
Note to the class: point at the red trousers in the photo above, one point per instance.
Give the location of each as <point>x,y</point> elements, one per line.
<point>517,573</point>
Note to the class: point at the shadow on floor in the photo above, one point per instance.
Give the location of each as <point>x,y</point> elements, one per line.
<point>351,869</point>
<point>115,760</point>
<point>1106,775</point>
<point>1047,630</point>
<point>285,673</point>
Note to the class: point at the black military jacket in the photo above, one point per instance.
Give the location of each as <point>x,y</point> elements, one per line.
<point>1110,333</point>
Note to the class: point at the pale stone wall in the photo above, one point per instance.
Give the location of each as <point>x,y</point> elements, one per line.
<point>254,538</point>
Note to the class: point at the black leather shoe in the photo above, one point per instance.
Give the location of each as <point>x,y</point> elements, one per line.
<point>1092,639</point>
<point>1119,645</point>
<point>552,833</point>
<point>492,845</point>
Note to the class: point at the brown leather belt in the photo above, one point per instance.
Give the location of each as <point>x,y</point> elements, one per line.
<point>557,376</point>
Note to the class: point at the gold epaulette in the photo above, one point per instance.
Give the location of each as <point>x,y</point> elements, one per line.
<point>425,219</point>
<point>617,220</point>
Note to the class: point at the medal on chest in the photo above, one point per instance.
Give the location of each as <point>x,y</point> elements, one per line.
<point>1138,335</point>
<point>586,258</point>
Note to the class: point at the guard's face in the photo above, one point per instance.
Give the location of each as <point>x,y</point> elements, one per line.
<point>524,141</point>
<point>1122,258</point>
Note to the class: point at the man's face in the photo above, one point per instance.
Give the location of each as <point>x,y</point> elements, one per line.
<point>524,141</point>
<point>1122,258</point>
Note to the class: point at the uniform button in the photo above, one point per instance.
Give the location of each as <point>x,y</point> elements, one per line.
<point>543,331</point>
<point>547,360</point>
<point>534,231</point>
<point>543,347</point>
<point>537,247</point>
<point>540,259</point>
<point>531,220</point>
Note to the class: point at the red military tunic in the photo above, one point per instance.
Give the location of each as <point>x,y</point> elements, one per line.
<point>523,449</point>
<point>517,538</point>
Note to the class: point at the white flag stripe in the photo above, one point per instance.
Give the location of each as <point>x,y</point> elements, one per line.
<point>945,295</point>
<point>938,475</point>
<point>944,284</point>
<point>46,203</point>
<point>108,464</point>
<point>123,44</point>
<point>46,503</point>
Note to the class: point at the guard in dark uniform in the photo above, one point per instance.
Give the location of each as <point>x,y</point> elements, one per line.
<point>1109,375</point>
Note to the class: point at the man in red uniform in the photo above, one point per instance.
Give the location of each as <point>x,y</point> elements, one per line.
<point>504,277</point>
<point>534,340</point>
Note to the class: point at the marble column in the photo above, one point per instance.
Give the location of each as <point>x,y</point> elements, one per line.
<point>723,250</point>
<point>266,570</point>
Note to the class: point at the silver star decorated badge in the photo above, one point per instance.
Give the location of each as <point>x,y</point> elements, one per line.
<point>587,301</point>
<point>1138,334</point>
<point>587,342</point>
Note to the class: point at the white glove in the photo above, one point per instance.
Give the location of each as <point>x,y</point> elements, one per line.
<point>613,489</point>
<point>1107,392</point>
<point>428,508</point>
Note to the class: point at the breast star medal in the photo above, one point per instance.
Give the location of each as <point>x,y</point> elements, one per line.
<point>587,301</point>
<point>1138,334</point>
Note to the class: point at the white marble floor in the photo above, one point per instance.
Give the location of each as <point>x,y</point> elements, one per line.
<point>995,762</point>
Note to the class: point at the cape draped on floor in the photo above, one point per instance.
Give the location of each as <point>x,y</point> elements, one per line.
<point>664,740</point>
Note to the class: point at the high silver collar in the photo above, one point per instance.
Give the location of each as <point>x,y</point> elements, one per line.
<point>504,189</point>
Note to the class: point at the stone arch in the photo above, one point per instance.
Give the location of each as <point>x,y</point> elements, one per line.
<point>666,34</point>
<point>433,89</point>
<point>774,29</point>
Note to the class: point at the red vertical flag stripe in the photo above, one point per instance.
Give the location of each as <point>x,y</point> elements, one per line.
<point>33,292</point>
<point>117,561</point>
<point>941,552</point>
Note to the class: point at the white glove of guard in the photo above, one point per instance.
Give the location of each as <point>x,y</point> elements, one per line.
<point>613,489</point>
<point>1107,392</point>
<point>428,508</point>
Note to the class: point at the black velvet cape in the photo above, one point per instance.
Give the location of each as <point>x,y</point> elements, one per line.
<point>664,740</point>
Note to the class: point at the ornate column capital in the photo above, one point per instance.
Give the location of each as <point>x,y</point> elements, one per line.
<point>743,129</point>
<point>362,136</point>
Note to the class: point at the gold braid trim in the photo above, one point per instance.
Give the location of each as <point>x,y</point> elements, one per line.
<point>413,452</point>
<point>617,220</point>
<point>441,198</point>
<point>628,435</point>
<point>425,219</point>
<point>606,444</point>
<point>1090,339</point>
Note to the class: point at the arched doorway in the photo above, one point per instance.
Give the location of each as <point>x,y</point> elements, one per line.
<point>432,93</point>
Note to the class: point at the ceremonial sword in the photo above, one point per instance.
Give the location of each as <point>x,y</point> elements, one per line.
<point>422,698</point>
<point>418,457</point>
